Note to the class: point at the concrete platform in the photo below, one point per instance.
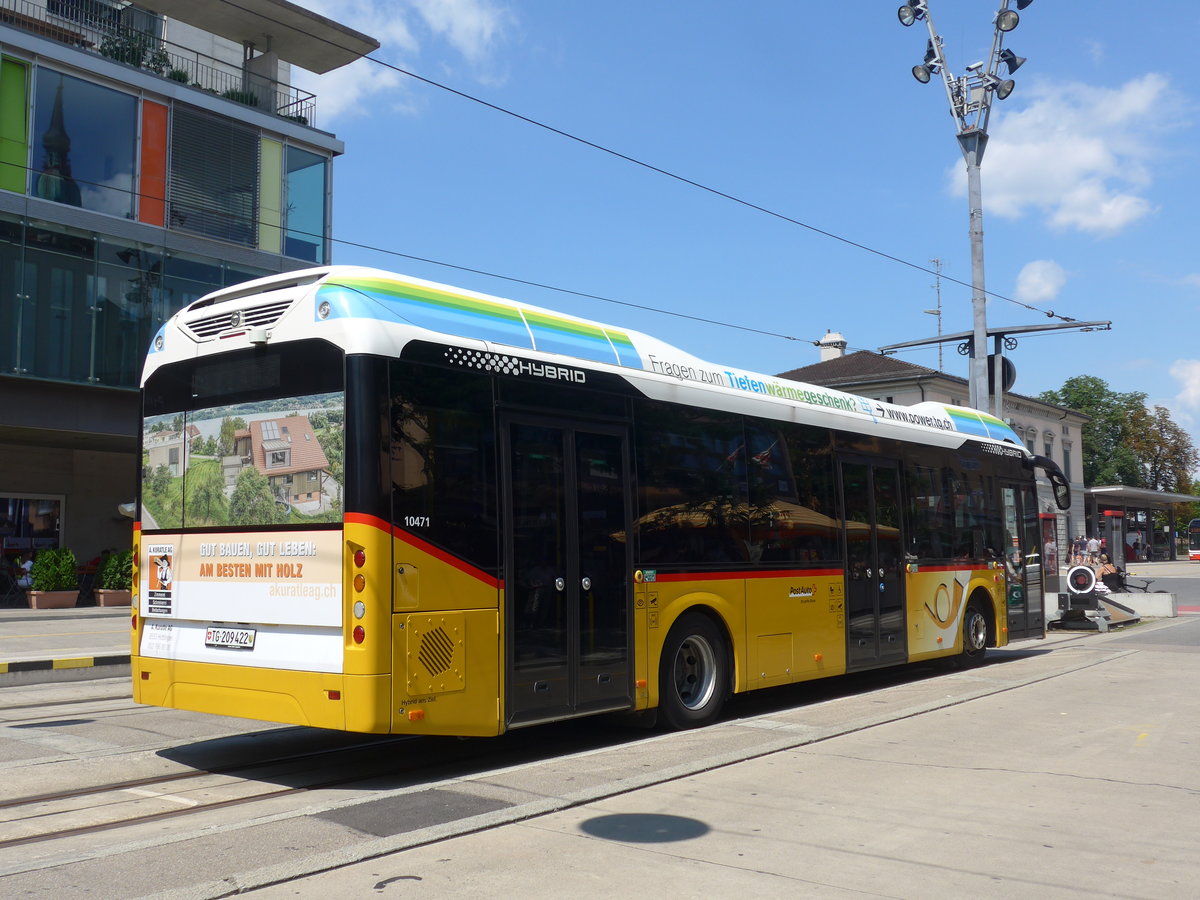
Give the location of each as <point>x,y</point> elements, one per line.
<point>63,644</point>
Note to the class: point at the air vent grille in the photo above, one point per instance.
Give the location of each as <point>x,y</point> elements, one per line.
<point>205,328</point>
<point>437,652</point>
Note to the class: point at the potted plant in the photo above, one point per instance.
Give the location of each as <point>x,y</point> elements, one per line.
<point>55,579</point>
<point>115,579</point>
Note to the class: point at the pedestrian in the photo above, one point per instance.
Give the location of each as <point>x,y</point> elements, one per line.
<point>1093,550</point>
<point>1078,547</point>
<point>24,578</point>
<point>1109,574</point>
<point>1137,550</point>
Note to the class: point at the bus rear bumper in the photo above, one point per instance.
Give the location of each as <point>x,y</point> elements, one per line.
<point>357,703</point>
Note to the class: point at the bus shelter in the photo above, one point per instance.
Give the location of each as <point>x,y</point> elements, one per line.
<point>1129,518</point>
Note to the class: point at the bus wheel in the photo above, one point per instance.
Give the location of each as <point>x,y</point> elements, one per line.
<point>693,675</point>
<point>975,636</point>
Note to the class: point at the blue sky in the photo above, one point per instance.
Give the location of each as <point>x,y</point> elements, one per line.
<point>808,110</point>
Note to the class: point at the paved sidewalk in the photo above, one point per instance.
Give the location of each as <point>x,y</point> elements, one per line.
<point>1069,774</point>
<point>38,645</point>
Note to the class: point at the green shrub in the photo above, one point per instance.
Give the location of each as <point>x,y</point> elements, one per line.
<point>116,571</point>
<point>54,569</point>
<point>179,75</point>
<point>246,97</point>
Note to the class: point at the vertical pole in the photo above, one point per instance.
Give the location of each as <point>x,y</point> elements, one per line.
<point>997,362</point>
<point>973,143</point>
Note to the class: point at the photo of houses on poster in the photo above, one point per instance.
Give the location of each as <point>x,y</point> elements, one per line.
<point>272,462</point>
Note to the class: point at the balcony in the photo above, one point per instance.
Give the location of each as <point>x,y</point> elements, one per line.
<point>129,36</point>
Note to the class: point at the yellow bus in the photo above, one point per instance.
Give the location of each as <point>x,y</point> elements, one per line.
<point>374,503</point>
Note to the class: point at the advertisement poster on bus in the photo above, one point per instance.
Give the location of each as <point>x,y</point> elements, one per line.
<point>291,577</point>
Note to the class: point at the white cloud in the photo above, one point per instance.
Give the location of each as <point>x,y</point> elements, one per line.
<point>344,92</point>
<point>471,26</point>
<point>1040,280</point>
<point>405,29</point>
<point>1077,154</point>
<point>1187,373</point>
<point>1192,280</point>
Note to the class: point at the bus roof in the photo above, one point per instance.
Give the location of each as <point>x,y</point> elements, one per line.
<point>338,298</point>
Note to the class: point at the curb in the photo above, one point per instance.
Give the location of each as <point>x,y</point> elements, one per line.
<point>79,668</point>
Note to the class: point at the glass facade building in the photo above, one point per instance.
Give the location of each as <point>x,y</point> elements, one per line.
<point>129,187</point>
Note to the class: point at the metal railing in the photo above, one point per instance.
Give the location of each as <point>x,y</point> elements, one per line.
<point>96,27</point>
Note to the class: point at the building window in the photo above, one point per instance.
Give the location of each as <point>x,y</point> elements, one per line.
<point>1066,464</point>
<point>304,236</point>
<point>213,177</point>
<point>29,522</point>
<point>84,138</point>
<point>83,309</point>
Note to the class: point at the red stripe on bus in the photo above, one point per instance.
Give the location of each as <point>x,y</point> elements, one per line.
<point>972,567</point>
<point>424,546</point>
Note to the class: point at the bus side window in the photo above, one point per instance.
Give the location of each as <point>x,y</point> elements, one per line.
<point>692,505</point>
<point>790,477</point>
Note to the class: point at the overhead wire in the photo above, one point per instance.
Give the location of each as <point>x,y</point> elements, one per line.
<point>436,262</point>
<point>1049,313</point>
<point>582,294</point>
<point>672,175</point>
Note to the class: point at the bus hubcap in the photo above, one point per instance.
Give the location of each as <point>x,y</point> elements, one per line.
<point>695,672</point>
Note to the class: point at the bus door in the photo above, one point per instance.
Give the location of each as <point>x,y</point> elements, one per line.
<point>567,568</point>
<point>875,626</point>
<point>1023,562</point>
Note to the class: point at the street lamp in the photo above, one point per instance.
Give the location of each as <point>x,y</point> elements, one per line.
<point>970,96</point>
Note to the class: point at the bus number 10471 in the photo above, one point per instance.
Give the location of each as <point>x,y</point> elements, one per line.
<point>416,521</point>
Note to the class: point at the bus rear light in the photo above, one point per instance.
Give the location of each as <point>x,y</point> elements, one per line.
<point>360,583</point>
<point>145,676</point>
<point>360,558</point>
<point>334,695</point>
<point>416,715</point>
<point>360,609</point>
<point>360,634</point>
<point>133,621</point>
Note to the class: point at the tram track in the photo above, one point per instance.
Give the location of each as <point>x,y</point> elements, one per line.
<point>90,712</point>
<point>75,701</point>
<point>122,804</point>
<point>125,804</point>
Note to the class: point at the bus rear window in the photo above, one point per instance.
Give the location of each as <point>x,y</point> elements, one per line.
<point>266,462</point>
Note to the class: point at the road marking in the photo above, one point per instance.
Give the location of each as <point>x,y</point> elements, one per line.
<point>155,795</point>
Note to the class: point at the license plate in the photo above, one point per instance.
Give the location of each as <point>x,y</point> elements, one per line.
<point>233,638</point>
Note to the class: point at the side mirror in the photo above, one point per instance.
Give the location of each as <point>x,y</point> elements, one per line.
<point>1061,489</point>
<point>1058,481</point>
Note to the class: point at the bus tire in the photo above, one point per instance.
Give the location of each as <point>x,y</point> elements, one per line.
<point>693,673</point>
<point>974,636</point>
